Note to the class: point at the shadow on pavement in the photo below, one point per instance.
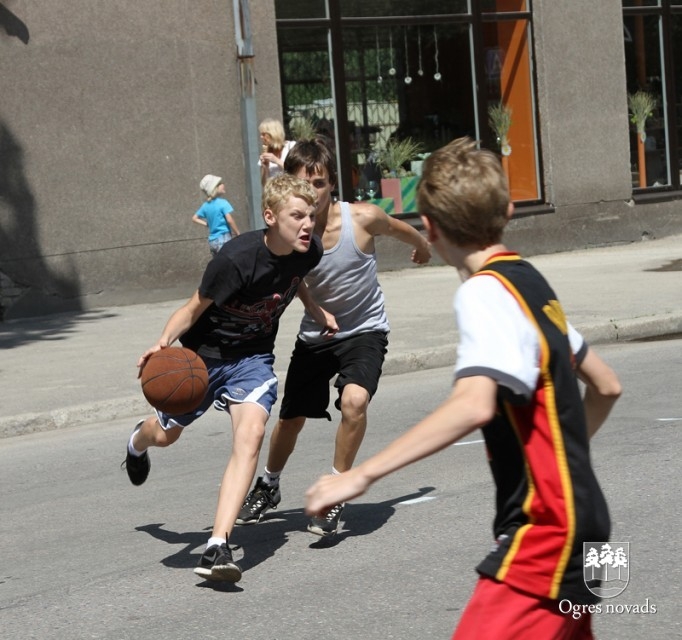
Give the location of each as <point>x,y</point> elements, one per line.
<point>366,518</point>
<point>15,333</point>
<point>261,541</point>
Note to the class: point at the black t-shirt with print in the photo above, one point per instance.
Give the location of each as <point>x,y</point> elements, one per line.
<point>250,287</point>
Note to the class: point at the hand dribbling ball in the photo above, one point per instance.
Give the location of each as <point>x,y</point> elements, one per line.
<point>174,380</point>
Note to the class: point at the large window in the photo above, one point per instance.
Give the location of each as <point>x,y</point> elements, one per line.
<point>652,32</point>
<point>375,72</point>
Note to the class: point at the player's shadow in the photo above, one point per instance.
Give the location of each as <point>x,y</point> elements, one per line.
<point>363,519</point>
<point>257,543</point>
<point>253,544</point>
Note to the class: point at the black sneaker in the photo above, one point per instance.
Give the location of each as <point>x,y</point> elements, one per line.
<point>328,524</point>
<point>262,498</point>
<point>137,466</point>
<point>216,564</point>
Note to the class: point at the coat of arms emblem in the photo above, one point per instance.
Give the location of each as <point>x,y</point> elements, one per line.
<point>606,567</point>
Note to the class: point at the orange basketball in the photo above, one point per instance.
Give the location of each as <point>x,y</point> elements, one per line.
<point>174,380</point>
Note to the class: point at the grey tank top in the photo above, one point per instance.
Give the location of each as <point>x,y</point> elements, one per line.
<point>345,284</point>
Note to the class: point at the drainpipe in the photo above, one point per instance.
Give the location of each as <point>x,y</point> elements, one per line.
<point>247,90</point>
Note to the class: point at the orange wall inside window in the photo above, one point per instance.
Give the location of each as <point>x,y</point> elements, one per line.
<point>516,91</point>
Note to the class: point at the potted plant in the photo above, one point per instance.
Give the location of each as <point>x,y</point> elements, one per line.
<point>398,183</point>
<point>641,105</point>
<point>500,121</point>
<point>302,128</point>
<point>396,154</point>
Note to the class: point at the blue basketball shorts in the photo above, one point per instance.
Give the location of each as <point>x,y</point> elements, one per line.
<point>248,379</point>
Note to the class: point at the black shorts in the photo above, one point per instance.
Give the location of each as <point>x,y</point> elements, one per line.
<point>357,360</point>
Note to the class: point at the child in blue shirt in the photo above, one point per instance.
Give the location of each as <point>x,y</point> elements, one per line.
<point>215,214</point>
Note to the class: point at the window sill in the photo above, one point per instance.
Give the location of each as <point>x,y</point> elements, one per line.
<point>651,196</point>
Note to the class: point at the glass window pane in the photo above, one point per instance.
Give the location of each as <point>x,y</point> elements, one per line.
<point>365,8</point>
<point>401,83</point>
<point>510,104</point>
<point>300,9</point>
<point>644,71</point>
<point>307,94</point>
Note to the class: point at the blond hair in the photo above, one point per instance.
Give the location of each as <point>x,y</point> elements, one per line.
<point>279,189</point>
<point>275,130</point>
<point>464,190</point>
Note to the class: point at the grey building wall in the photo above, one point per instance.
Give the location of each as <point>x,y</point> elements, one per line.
<point>584,125</point>
<point>110,113</point>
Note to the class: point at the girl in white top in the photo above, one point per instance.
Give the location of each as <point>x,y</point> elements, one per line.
<point>274,150</point>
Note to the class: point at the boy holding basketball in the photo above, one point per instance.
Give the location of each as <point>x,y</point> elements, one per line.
<point>231,321</point>
<point>518,361</point>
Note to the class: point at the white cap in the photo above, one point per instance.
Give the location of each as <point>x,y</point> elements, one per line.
<point>209,183</point>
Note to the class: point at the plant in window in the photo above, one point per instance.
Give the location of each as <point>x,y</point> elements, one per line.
<point>500,121</point>
<point>641,105</point>
<point>302,128</point>
<point>396,154</point>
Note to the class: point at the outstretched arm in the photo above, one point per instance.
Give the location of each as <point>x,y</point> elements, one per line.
<point>379,223</point>
<point>470,405</point>
<point>602,390</point>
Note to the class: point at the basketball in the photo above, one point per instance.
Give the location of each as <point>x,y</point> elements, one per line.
<point>174,380</point>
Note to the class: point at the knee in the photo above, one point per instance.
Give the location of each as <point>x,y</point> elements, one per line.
<point>354,401</point>
<point>166,437</point>
<point>250,437</point>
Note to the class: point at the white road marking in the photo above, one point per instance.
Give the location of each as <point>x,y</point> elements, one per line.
<point>416,500</point>
<point>459,444</point>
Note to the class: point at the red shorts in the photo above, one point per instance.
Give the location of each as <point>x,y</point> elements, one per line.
<point>498,611</point>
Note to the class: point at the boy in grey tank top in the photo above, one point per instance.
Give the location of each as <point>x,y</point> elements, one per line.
<point>352,343</point>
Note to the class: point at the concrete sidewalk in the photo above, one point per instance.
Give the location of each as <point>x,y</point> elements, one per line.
<point>72,369</point>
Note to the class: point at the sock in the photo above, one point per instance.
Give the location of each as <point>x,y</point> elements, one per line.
<point>336,472</point>
<point>215,540</point>
<point>271,478</point>
<point>131,449</point>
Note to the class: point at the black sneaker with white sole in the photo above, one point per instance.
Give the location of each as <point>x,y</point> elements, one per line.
<point>262,498</point>
<point>216,564</point>
<point>328,524</point>
<point>137,466</point>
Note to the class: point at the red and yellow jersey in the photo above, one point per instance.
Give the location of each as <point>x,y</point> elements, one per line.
<point>548,500</point>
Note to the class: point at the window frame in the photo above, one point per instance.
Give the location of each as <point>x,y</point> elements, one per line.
<point>474,18</point>
<point>665,10</point>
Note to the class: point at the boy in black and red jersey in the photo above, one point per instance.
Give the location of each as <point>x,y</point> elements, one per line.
<point>516,378</point>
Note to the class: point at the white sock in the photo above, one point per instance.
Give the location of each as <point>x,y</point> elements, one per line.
<point>131,449</point>
<point>271,478</point>
<point>215,540</point>
<point>336,472</point>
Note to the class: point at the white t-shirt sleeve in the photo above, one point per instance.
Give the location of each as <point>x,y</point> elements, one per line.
<point>578,344</point>
<point>496,339</point>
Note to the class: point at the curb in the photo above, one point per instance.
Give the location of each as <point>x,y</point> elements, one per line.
<point>646,327</point>
<point>609,332</point>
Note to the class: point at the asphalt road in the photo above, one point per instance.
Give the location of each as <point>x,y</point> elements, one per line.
<point>86,555</point>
